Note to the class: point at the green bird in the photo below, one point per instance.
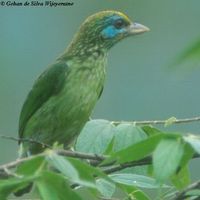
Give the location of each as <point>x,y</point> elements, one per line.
<point>64,95</point>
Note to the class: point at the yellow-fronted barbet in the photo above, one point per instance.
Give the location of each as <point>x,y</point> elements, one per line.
<point>63,97</point>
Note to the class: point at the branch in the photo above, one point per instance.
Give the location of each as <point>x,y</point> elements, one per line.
<point>147,122</point>
<point>26,140</point>
<point>114,168</point>
<point>145,161</point>
<point>183,195</point>
<point>5,167</point>
<point>76,154</point>
<point>172,120</point>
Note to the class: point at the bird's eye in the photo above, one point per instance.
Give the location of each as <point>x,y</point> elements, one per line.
<point>119,23</point>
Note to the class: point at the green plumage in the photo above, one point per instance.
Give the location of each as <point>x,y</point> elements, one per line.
<point>63,97</point>
<point>59,110</point>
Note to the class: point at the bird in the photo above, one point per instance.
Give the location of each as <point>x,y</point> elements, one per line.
<point>64,95</point>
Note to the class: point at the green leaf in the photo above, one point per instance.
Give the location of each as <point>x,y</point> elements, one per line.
<point>140,170</point>
<point>76,170</point>
<point>63,165</point>
<point>87,173</point>
<point>133,193</point>
<point>105,187</point>
<point>87,193</point>
<point>150,130</point>
<point>27,172</point>
<point>136,180</point>
<point>95,137</point>
<point>195,192</point>
<point>187,156</point>
<point>181,179</point>
<point>194,141</point>
<point>13,184</point>
<point>88,176</point>
<point>167,157</point>
<point>30,166</point>
<point>136,151</point>
<point>52,186</point>
<point>138,194</point>
<point>126,135</point>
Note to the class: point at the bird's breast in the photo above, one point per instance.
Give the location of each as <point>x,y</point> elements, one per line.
<point>84,83</point>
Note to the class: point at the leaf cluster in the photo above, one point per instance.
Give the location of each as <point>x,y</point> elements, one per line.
<point>136,161</point>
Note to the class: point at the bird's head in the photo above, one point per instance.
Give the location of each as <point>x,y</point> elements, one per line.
<point>104,29</point>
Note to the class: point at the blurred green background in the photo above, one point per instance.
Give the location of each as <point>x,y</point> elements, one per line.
<point>140,83</point>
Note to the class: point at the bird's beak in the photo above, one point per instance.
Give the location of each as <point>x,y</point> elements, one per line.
<point>136,28</point>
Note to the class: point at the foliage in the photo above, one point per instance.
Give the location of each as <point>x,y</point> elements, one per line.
<point>166,156</point>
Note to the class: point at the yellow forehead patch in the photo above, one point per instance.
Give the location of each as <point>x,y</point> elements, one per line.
<point>123,15</point>
<point>102,14</point>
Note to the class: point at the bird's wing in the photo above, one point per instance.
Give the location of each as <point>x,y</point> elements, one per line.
<point>49,83</point>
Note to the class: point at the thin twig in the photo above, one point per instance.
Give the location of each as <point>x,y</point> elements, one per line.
<point>26,140</point>
<point>183,194</point>
<point>59,152</point>
<point>146,122</point>
<point>145,161</point>
<point>76,154</point>
<point>114,168</point>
